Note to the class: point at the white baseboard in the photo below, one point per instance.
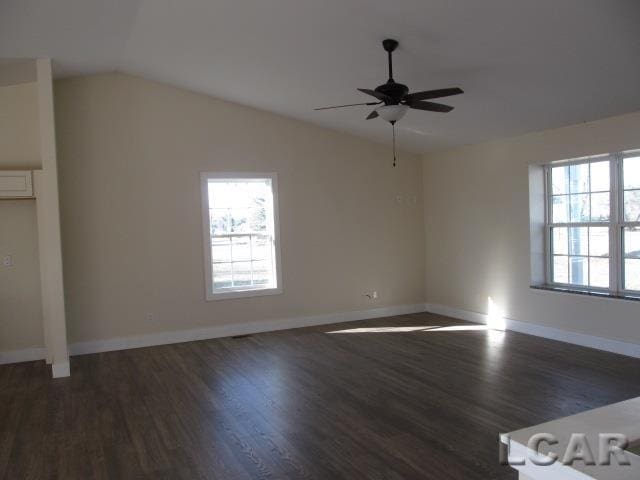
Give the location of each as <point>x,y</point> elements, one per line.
<point>24,355</point>
<point>178,336</point>
<point>164,338</point>
<point>599,343</point>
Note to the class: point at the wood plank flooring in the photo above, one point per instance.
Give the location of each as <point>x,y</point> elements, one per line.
<point>384,403</point>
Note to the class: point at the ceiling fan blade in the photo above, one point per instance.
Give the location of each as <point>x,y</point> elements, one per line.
<point>349,105</point>
<point>378,95</point>
<point>430,106</point>
<point>429,94</point>
<point>373,114</point>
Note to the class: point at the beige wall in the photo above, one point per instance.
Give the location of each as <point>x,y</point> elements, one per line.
<point>477,229</point>
<point>20,308</point>
<point>19,131</point>
<point>130,152</point>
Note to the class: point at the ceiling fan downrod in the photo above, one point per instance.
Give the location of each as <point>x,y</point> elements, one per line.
<point>390,45</point>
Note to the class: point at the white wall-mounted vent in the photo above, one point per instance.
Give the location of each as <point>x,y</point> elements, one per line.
<point>15,184</point>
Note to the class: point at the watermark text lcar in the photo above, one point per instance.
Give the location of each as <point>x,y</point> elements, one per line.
<point>608,448</point>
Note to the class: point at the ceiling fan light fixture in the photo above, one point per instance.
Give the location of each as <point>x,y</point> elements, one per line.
<point>398,99</point>
<point>392,113</point>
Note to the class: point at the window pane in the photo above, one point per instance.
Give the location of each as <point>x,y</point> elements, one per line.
<point>632,206</point>
<point>261,248</point>
<point>236,193</point>
<point>258,217</point>
<point>219,221</point>
<point>241,195</point>
<point>599,272</point>
<point>578,241</point>
<point>579,208</point>
<point>631,173</point>
<point>259,190</point>
<point>241,248</point>
<point>599,241</point>
<point>221,275</point>
<point>239,218</point>
<point>632,243</point>
<point>221,250</point>
<point>632,274</point>
<point>560,241</point>
<point>241,274</point>
<point>600,207</point>
<point>581,194</point>
<point>600,173</point>
<point>241,215</point>
<point>220,195</point>
<point>579,271</point>
<point>560,269</point>
<point>559,180</point>
<point>261,272</point>
<point>579,178</point>
<point>560,209</point>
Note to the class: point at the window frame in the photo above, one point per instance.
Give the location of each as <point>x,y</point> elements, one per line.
<point>245,291</point>
<point>616,225</point>
<point>623,223</point>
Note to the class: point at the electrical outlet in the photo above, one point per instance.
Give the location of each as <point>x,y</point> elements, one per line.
<point>150,317</point>
<point>7,261</point>
<point>371,295</point>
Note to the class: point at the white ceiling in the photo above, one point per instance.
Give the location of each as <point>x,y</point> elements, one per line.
<point>525,65</point>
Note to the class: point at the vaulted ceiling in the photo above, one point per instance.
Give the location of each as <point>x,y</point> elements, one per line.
<point>525,65</point>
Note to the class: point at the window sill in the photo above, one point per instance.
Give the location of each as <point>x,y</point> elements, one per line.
<point>586,293</point>
<point>255,292</point>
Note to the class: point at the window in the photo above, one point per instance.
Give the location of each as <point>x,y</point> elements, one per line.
<point>593,224</point>
<point>630,199</point>
<point>240,215</point>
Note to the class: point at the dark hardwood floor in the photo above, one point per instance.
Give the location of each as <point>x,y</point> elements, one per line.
<point>301,404</point>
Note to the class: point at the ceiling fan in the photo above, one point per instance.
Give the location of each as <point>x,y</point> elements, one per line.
<point>397,99</point>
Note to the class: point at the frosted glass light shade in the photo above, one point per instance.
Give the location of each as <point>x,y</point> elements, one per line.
<point>392,113</point>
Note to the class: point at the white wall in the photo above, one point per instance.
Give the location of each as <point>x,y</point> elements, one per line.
<point>20,300</point>
<point>130,152</point>
<point>19,131</point>
<point>20,308</point>
<point>477,229</point>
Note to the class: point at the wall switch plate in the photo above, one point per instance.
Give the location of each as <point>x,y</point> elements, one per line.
<point>7,261</point>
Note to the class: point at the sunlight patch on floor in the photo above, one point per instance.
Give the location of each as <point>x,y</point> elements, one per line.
<point>383,329</point>
<point>425,328</point>
<point>461,328</point>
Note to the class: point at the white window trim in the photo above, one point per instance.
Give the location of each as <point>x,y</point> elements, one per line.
<point>616,225</point>
<point>210,294</point>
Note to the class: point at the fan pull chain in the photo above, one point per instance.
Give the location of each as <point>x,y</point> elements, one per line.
<point>393,128</point>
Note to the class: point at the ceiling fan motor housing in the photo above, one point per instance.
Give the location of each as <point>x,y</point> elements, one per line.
<point>393,90</point>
